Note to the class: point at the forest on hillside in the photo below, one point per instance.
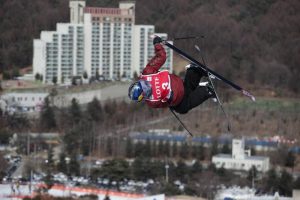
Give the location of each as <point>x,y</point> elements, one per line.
<point>255,42</point>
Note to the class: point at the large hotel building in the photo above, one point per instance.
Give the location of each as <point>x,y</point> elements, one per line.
<point>97,40</point>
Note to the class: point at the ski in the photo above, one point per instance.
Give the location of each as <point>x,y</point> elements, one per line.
<point>208,70</point>
<point>182,124</point>
<point>217,99</point>
<point>220,103</point>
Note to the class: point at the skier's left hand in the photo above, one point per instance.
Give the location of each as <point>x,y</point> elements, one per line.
<point>157,40</point>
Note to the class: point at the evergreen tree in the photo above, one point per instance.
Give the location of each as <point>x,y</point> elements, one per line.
<point>72,141</point>
<point>54,80</point>
<point>174,149</point>
<point>50,160</point>
<point>153,149</point>
<point>109,149</point>
<point>15,72</point>
<point>222,171</point>
<point>170,190</point>
<point>48,180</point>
<point>74,81</point>
<point>285,184</point>
<point>181,170</point>
<point>97,74</point>
<point>147,148</point>
<point>142,168</point>
<point>62,165</point>
<point>196,168</point>
<point>253,151</point>
<point>37,76</point>
<point>226,149</point>
<point>5,135</point>
<point>137,166</point>
<point>110,107</point>
<point>252,173</point>
<point>160,150</point>
<point>47,117</point>
<point>6,75</point>
<point>116,169</point>
<point>135,75</point>
<point>158,169</point>
<point>212,167</point>
<point>129,148</point>
<point>75,112</point>
<point>85,75</point>
<point>167,149</point>
<point>139,149</point>
<point>194,151</point>
<point>214,148</point>
<point>296,184</point>
<point>272,182</point>
<point>200,152</point>
<point>94,110</point>
<point>184,151</point>
<point>290,160</point>
<point>74,167</point>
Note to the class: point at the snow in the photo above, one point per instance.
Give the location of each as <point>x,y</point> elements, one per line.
<point>238,193</point>
<point>6,192</point>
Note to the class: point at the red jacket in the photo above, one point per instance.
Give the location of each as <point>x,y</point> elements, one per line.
<point>176,83</point>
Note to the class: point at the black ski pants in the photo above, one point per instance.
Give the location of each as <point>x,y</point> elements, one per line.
<point>194,94</point>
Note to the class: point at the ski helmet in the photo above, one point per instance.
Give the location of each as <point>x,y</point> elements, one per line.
<point>135,92</point>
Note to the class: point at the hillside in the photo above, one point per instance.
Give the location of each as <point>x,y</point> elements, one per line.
<point>255,42</point>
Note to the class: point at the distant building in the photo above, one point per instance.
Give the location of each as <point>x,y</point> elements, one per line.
<point>97,41</point>
<point>143,47</point>
<point>241,159</point>
<point>23,101</point>
<point>108,40</point>
<point>169,61</point>
<point>59,54</point>
<point>238,193</point>
<point>32,100</point>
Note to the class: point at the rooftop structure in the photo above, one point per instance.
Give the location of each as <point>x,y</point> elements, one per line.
<point>241,159</point>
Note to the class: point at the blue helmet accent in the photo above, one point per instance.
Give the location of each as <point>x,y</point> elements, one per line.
<point>135,91</point>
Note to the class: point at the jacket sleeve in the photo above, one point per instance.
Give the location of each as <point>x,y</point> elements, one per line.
<point>157,61</point>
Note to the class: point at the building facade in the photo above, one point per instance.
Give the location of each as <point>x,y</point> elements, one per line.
<point>143,46</point>
<point>60,54</point>
<point>108,41</point>
<point>23,101</point>
<point>241,159</point>
<point>97,42</point>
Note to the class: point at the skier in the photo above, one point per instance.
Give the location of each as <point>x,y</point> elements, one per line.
<point>161,89</point>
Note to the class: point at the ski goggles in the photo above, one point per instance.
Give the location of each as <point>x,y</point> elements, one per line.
<point>135,92</point>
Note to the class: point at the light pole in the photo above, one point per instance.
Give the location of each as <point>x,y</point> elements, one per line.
<point>67,159</point>
<point>167,175</point>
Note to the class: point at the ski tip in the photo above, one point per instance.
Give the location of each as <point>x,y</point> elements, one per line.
<point>246,93</point>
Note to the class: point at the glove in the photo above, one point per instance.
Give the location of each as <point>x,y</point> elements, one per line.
<point>157,40</point>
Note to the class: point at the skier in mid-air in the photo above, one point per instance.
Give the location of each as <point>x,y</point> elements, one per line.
<point>161,89</point>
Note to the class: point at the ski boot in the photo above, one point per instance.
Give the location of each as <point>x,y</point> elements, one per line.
<point>210,90</point>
